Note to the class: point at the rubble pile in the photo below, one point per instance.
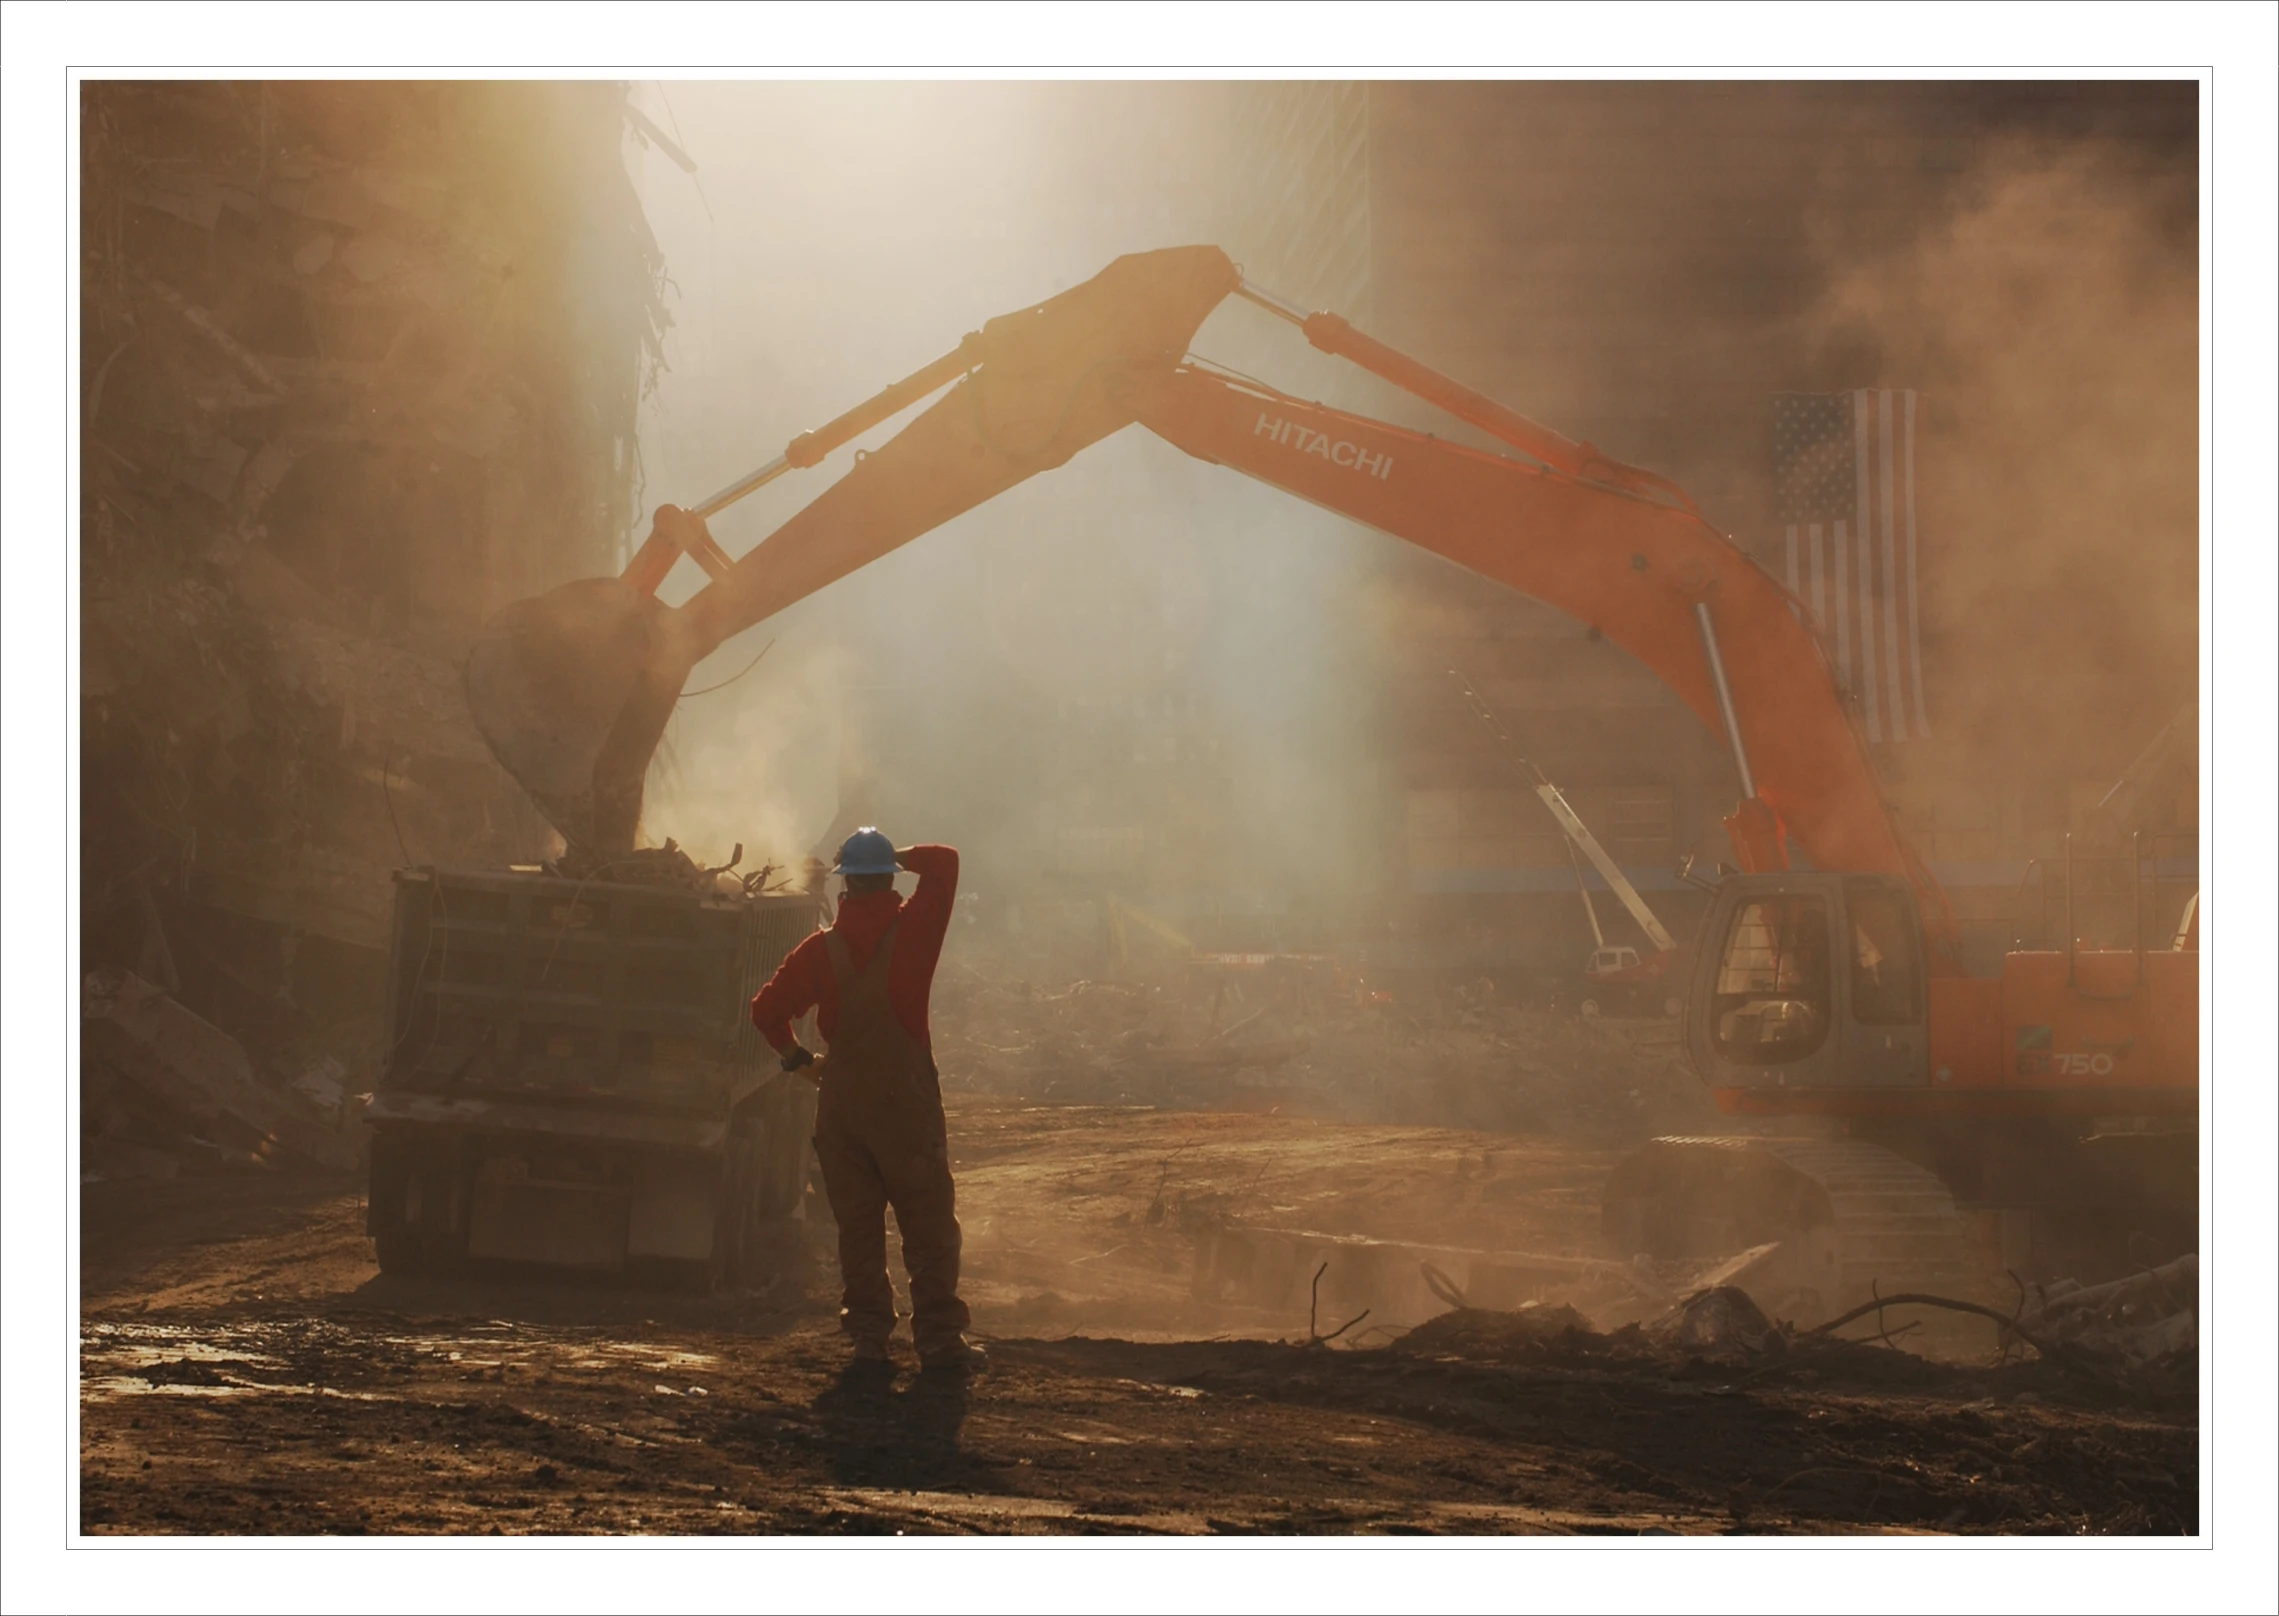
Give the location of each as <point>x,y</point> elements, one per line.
<point>1720,1333</point>
<point>360,362</point>
<point>164,1091</point>
<point>1461,1058</point>
<point>1719,1327</point>
<point>2149,1317</point>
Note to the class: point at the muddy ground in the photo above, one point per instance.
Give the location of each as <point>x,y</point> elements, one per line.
<point>246,1369</point>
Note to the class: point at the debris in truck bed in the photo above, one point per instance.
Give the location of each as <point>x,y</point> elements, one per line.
<point>670,866</point>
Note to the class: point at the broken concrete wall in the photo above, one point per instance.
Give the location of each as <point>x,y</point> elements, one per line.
<point>164,1088</point>
<point>360,362</point>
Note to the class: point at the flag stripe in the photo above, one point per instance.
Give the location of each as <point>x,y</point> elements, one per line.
<point>1863,535</point>
<point>1843,592</point>
<point>1890,565</point>
<point>1914,600</point>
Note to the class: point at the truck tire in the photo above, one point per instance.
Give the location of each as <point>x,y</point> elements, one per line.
<point>395,1242</point>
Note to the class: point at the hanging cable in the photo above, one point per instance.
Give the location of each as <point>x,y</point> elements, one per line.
<point>731,679</point>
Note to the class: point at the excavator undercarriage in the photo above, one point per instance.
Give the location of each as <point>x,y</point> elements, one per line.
<point>1810,1225</point>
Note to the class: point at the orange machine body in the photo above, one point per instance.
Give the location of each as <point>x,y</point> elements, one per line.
<point>2121,1038</point>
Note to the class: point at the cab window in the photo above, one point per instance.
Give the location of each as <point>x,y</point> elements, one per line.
<point>1887,968</point>
<point>1772,990</point>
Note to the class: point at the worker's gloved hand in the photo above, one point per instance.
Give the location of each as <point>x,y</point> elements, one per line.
<point>798,1059</point>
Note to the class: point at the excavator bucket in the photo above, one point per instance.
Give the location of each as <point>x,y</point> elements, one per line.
<point>572,689</point>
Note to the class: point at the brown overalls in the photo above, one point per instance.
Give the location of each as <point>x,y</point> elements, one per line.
<point>881,1138</point>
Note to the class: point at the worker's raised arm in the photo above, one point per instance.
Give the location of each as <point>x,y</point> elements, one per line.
<point>936,868</point>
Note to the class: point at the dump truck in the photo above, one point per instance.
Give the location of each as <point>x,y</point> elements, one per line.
<point>572,1080</point>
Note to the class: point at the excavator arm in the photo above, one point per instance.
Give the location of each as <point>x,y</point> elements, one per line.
<point>1642,570</point>
<point>1616,547</point>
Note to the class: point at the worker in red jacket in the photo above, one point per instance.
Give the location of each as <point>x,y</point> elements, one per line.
<point>879,1130</point>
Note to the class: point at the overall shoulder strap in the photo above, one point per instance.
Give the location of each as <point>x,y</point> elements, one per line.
<point>882,961</point>
<point>835,950</point>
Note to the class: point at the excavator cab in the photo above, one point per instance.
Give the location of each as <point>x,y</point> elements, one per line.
<point>1808,980</point>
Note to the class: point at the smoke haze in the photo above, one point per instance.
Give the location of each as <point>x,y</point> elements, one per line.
<point>1142,665</point>
<point>1178,621</point>
<point>2050,318</point>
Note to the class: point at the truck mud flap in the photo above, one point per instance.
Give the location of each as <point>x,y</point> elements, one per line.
<point>563,1225</point>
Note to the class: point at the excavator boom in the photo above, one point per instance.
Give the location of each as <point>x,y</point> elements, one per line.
<point>1616,547</point>
<point>1632,566</point>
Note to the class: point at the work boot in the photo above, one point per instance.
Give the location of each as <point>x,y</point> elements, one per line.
<point>957,1356</point>
<point>871,1349</point>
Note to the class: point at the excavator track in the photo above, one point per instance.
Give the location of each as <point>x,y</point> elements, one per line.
<point>1844,1220</point>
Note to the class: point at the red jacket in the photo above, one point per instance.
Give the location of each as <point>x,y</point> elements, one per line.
<point>804,980</point>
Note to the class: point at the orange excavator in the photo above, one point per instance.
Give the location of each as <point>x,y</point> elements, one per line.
<point>1828,982</point>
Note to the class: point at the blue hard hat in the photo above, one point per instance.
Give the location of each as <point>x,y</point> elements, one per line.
<point>866,852</point>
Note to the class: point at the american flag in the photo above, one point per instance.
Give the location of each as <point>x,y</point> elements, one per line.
<point>1844,492</point>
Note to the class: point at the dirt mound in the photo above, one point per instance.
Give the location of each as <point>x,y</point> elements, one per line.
<point>1493,1337</point>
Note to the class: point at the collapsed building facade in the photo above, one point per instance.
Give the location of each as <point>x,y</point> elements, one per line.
<point>360,362</point>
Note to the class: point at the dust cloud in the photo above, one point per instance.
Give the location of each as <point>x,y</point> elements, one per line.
<point>2050,318</point>
<point>1101,673</point>
<point>1184,676</point>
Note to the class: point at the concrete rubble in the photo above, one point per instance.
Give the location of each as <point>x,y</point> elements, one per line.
<point>2144,1318</point>
<point>163,1089</point>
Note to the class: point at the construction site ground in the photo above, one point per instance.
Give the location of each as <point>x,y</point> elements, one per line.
<point>246,1369</point>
